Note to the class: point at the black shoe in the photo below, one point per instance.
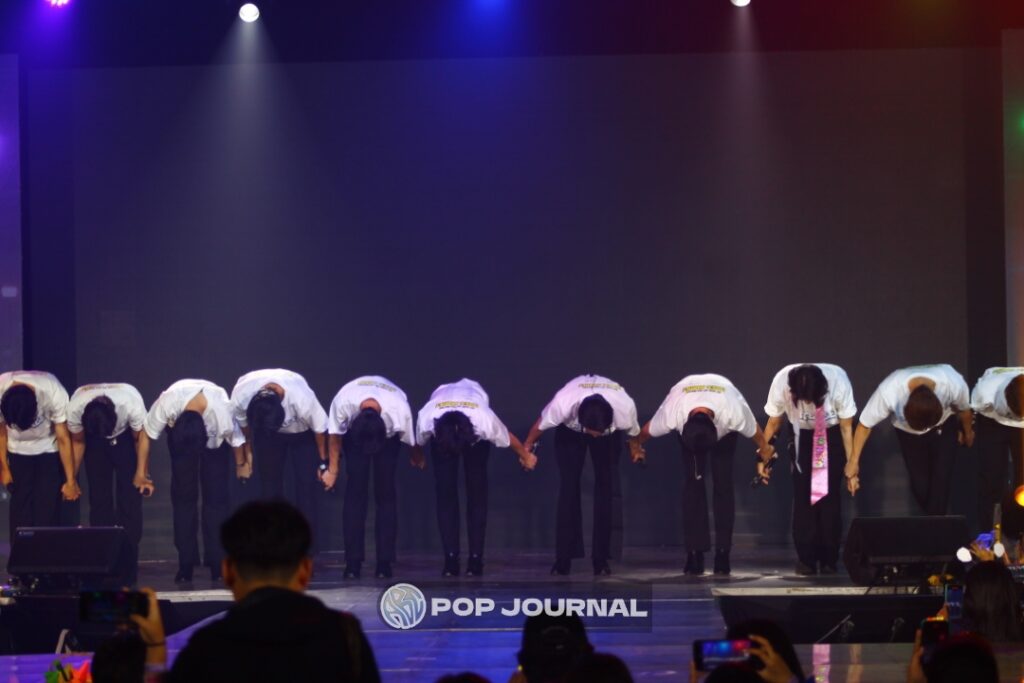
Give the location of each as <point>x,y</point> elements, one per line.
<point>722,567</point>
<point>184,575</point>
<point>475,566</point>
<point>602,569</point>
<point>694,563</point>
<point>805,569</point>
<point>828,569</point>
<point>451,565</point>
<point>352,570</point>
<point>383,570</point>
<point>561,567</point>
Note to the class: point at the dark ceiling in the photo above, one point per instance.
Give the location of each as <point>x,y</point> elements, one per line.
<point>137,32</point>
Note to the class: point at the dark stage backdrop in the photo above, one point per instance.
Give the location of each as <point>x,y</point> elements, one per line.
<point>520,222</point>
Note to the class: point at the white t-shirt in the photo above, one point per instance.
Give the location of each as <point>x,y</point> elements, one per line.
<point>891,395</point>
<point>302,410</point>
<point>989,396</point>
<point>469,398</point>
<point>220,426</point>
<point>394,407</point>
<point>732,414</point>
<point>839,403</point>
<point>564,407</point>
<point>52,407</point>
<point>128,405</point>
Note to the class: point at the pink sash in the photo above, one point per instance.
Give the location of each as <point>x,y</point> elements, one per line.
<point>819,457</point>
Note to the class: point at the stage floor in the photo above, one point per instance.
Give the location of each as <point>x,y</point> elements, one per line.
<point>683,610</point>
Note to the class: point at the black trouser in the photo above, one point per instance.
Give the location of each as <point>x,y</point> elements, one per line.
<point>107,461</point>
<point>570,451</point>
<point>998,446</point>
<point>35,491</point>
<point>207,472</point>
<point>358,464</point>
<point>818,528</point>
<point>696,531</point>
<point>446,481</point>
<point>929,460</point>
<point>271,451</point>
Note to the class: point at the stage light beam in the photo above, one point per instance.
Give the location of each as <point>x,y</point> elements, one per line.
<point>58,3</point>
<point>740,3</point>
<point>249,13</point>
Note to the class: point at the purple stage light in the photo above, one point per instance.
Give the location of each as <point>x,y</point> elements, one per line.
<point>58,3</point>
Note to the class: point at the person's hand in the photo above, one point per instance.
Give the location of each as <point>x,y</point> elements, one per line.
<point>965,438</point>
<point>763,472</point>
<point>328,479</point>
<point>915,670</point>
<point>637,452</point>
<point>418,458</point>
<point>6,478</point>
<point>767,452</point>
<point>528,460</point>
<point>70,490</point>
<point>151,630</point>
<point>982,553</point>
<point>243,470</point>
<point>144,484</point>
<point>852,473</point>
<point>775,668</point>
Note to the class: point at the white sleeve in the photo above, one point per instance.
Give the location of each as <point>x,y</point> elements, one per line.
<point>57,408</point>
<point>403,423</point>
<point>842,397</point>
<point>497,432</point>
<point>557,412</point>
<point>664,420</point>
<point>630,424</point>
<point>878,407</point>
<point>75,410</point>
<point>236,438</point>
<point>775,406</point>
<point>744,421</point>
<point>317,416</point>
<point>136,410</point>
<point>980,403</point>
<point>960,391</point>
<point>238,410</point>
<point>338,417</point>
<point>157,418</point>
<point>424,425</point>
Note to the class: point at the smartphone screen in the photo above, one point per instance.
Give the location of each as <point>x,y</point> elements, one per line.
<point>954,601</point>
<point>708,654</point>
<point>111,607</point>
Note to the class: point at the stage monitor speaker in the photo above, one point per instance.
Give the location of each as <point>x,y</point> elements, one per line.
<point>66,559</point>
<point>912,546</point>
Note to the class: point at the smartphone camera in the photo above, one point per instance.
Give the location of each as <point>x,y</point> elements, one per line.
<point>708,654</point>
<point>111,607</point>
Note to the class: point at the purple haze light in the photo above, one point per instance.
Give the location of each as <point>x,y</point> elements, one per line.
<point>58,3</point>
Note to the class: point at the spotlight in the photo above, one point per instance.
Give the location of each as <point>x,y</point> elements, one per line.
<point>57,3</point>
<point>964,555</point>
<point>248,12</point>
<point>740,3</point>
<point>1018,495</point>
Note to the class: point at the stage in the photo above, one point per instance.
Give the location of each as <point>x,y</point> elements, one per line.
<point>683,609</point>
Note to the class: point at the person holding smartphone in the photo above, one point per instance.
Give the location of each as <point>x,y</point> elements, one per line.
<point>106,424</point>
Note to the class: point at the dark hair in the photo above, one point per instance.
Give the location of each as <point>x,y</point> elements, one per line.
<point>266,539</point>
<point>595,413</point>
<point>119,659</point>
<point>265,413</point>
<point>188,435</point>
<point>1014,393</point>
<point>464,677</point>
<point>552,646</point>
<point>699,433</point>
<point>600,668</point>
<point>923,410</point>
<point>807,383</point>
<point>991,603</point>
<point>733,673</point>
<point>19,406</point>
<point>453,433</point>
<point>963,658</point>
<point>99,418</point>
<point>775,635</point>
<point>369,430</point>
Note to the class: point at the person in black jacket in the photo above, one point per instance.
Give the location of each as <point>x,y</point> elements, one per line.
<point>273,632</point>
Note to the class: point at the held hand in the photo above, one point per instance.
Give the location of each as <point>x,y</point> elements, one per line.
<point>328,479</point>
<point>243,471</point>
<point>637,452</point>
<point>965,438</point>
<point>528,460</point>
<point>763,472</point>
<point>5,477</point>
<point>767,452</point>
<point>417,458</point>
<point>775,669</point>
<point>853,485</point>
<point>144,484</point>
<point>70,490</point>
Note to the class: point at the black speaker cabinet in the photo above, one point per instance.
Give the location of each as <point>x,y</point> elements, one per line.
<point>903,550</point>
<point>66,559</point>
